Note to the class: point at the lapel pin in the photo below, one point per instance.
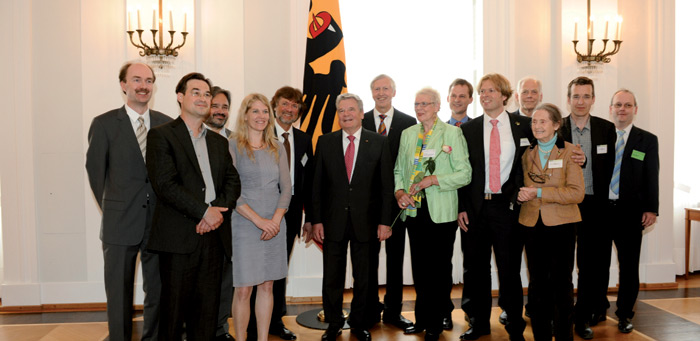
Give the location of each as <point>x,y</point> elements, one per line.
<point>517,123</point>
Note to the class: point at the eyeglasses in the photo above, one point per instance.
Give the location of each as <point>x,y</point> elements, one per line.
<point>626,105</point>
<point>538,178</point>
<point>422,104</point>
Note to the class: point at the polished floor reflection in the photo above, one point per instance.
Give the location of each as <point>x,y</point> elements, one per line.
<point>660,315</point>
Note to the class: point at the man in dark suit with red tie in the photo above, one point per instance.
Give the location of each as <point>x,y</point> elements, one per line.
<point>633,203</point>
<point>489,211</point>
<point>197,187</point>
<point>351,203</point>
<point>389,121</point>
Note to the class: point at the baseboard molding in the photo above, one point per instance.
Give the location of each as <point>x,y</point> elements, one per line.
<point>60,308</point>
<point>102,306</point>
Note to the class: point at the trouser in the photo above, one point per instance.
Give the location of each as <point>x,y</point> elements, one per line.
<point>550,254</point>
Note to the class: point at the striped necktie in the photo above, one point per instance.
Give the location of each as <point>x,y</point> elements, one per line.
<point>619,150</point>
<point>382,126</point>
<point>141,137</point>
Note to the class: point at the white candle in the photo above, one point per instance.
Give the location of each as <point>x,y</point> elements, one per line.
<point>619,29</point>
<point>576,30</point>
<point>590,34</point>
<point>171,20</point>
<point>129,19</point>
<point>185,23</point>
<point>154,19</point>
<point>606,30</point>
<point>138,17</point>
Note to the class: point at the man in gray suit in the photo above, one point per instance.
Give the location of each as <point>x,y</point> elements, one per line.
<point>116,168</point>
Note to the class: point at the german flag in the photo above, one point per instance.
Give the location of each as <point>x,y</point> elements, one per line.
<point>324,68</point>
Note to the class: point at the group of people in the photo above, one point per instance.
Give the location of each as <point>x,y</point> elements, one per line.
<point>211,209</point>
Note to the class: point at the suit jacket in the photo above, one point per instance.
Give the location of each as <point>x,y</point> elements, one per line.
<point>639,179</point>
<point>471,197</point>
<point>452,170</point>
<point>303,172</point>
<point>118,177</point>
<point>177,180</point>
<point>562,190</point>
<point>366,200</point>
<point>399,122</point>
<point>602,133</point>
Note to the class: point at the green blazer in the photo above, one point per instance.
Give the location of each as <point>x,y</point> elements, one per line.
<point>452,170</point>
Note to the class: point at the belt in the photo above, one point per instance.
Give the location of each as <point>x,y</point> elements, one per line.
<point>613,202</point>
<point>493,196</point>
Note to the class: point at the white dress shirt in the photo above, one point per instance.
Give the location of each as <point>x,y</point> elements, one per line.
<point>387,121</point>
<point>134,118</point>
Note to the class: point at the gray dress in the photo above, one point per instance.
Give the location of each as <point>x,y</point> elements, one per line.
<point>265,187</point>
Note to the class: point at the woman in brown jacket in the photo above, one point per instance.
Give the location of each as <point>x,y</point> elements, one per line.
<point>553,188</point>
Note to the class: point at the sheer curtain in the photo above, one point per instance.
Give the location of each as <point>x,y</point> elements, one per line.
<point>687,166</point>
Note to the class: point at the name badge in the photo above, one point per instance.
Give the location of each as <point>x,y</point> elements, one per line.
<point>556,163</point>
<point>429,153</point>
<point>524,142</point>
<point>304,159</point>
<point>638,155</point>
<point>602,149</point>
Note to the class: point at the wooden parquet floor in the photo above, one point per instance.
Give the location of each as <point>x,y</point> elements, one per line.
<point>660,315</point>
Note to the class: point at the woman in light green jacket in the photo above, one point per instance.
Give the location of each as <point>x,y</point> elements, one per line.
<point>432,163</point>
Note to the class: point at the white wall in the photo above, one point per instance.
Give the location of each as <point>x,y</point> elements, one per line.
<point>62,71</point>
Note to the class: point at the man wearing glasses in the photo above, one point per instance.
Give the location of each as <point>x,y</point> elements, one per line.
<point>596,137</point>
<point>633,204</point>
<point>489,212</point>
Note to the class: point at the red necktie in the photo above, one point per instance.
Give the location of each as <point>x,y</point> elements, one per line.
<point>457,124</point>
<point>349,155</point>
<point>495,159</point>
<point>382,126</point>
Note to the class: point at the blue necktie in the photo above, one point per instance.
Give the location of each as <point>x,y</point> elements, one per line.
<point>619,150</point>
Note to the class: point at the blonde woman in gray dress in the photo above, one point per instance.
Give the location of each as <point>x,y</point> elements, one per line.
<point>259,229</point>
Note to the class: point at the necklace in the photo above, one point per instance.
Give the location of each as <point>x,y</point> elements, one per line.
<point>257,147</point>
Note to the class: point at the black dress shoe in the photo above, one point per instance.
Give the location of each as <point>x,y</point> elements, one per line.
<point>625,325</point>
<point>597,318</point>
<point>331,334</point>
<point>584,331</point>
<point>503,318</point>
<point>473,334</point>
<point>447,323</point>
<point>398,321</point>
<point>432,336</point>
<point>225,337</point>
<point>283,333</point>
<point>414,329</point>
<point>361,334</point>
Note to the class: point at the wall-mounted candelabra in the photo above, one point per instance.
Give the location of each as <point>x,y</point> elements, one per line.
<point>159,55</point>
<point>602,56</point>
